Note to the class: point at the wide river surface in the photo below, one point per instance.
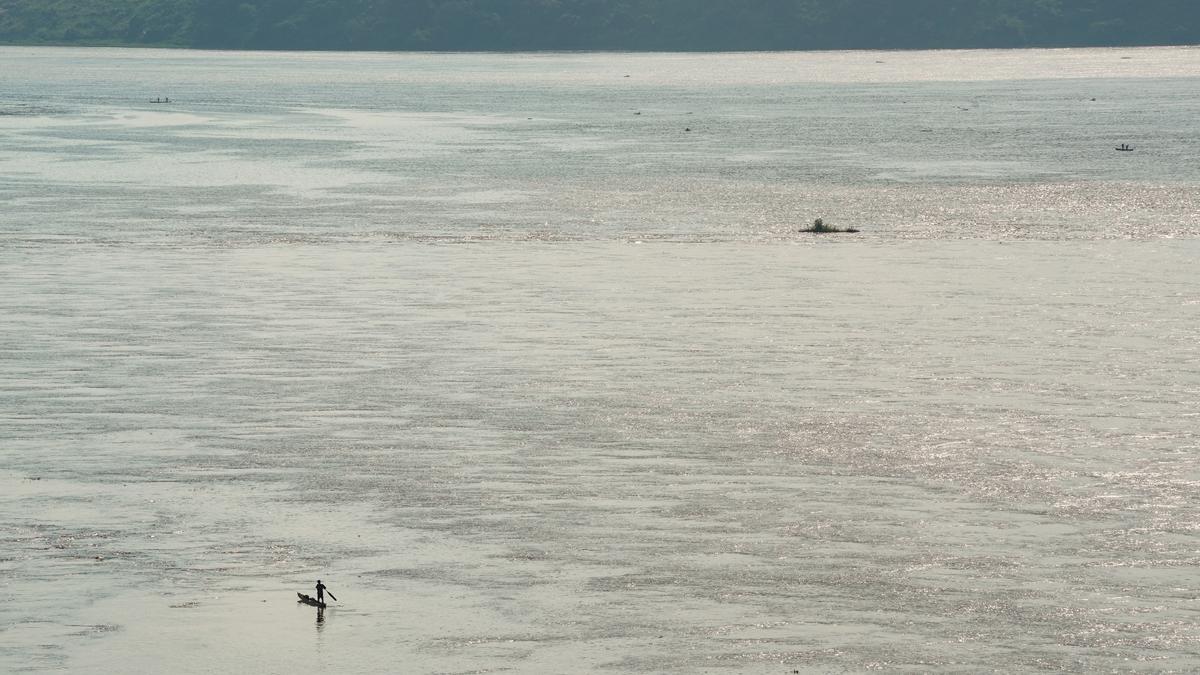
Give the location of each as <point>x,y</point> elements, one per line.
<point>525,357</point>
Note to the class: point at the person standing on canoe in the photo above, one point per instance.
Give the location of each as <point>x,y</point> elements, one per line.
<point>321,592</point>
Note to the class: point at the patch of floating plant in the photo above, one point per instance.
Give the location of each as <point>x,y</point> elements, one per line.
<point>819,227</point>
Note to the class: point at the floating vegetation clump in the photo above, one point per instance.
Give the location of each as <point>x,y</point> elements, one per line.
<point>819,227</point>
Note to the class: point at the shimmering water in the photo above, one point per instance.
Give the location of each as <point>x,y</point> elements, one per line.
<point>526,359</point>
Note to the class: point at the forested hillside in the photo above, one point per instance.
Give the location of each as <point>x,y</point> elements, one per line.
<point>689,25</point>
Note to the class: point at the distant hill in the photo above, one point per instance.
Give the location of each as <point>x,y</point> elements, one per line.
<point>655,25</point>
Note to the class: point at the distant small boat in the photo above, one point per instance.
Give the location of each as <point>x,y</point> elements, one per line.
<point>1124,148</point>
<point>309,600</point>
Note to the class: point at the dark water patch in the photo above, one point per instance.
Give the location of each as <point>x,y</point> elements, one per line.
<point>30,110</point>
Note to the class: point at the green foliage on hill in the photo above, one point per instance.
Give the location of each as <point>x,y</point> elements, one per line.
<point>688,25</point>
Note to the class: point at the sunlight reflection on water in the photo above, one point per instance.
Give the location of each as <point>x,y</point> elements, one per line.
<point>538,383</point>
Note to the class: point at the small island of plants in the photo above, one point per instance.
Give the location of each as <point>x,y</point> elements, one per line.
<point>819,227</point>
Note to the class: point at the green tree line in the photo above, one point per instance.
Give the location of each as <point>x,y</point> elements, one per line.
<point>684,25</point>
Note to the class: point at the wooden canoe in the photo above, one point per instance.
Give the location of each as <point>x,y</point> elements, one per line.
<point>309,600</point>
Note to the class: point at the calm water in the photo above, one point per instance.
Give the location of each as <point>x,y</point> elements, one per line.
<point>523,356</point>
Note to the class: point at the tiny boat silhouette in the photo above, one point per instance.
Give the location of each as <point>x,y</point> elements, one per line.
<point>309,600</point>
<point>1124,148</point>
